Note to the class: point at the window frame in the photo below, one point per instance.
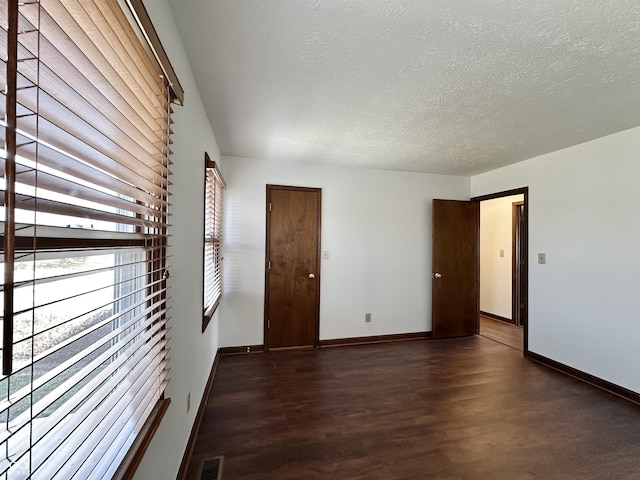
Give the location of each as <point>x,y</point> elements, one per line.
<point>214,186</point>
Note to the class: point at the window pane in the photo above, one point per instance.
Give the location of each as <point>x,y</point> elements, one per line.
<point>66,341</point>
<point>214,186</point>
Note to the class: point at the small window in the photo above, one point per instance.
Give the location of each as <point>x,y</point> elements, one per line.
<point>214,185</point>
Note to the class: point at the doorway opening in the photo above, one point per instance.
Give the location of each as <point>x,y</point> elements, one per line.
<point>503,267</point>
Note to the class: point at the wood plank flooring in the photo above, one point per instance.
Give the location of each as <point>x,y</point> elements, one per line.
<point>502,332</point>
<point>467,408</point>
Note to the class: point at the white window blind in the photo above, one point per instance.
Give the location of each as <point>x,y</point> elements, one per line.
<point>214,186</point>
<point>83,204</point>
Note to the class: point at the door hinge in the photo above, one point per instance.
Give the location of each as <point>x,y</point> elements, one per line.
<point>269,206</point>
<point>269,265</point>
<point>268,323</point>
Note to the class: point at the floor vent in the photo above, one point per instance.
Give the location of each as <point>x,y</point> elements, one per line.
<point>211,469</point>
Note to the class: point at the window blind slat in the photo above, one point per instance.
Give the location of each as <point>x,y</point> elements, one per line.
<point>57,242</point>
<point>106,389</point>
<point>40,355</point>
<point>77,298</point>
<point>57,78</point>
<point>134,171</point>
<point>100,444</point>
<point>71,274</point>
<point>56,98</point>
<point>64,35</point>
<point>111,406</point>
<point>28,176</point>
<point>43,380</point>
<point>43,205</point>
<point>100,386</point>
<point>107,137</point>
<point>214,186</point>
<point>106,470</point>
<point>106,27</point>
<point>66,164</point>
<point>108,385</point>
<point>89,102</point>
<point>97,415</point>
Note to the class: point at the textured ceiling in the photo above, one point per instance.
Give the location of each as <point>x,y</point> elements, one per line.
<point>440,86</point>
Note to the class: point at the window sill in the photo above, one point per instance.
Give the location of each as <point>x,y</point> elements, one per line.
<point>208,315</point>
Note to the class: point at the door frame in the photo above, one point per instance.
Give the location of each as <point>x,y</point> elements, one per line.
<point>517,269</point>
<point>525,232</point>
<point>269,188</point>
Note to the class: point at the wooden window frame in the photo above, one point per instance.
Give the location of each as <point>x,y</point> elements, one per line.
<point>212,258</point>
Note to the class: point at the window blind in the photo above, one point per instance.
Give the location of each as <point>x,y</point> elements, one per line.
<point>214,186</point>
<point>84,204</point>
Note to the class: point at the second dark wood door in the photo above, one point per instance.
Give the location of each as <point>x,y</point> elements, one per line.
<point>293,267</point>
<point>455,302</point>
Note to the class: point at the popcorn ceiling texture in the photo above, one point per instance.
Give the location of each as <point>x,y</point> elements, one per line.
<point>439,86</point>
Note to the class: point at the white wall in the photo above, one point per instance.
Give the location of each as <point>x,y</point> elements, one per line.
<point>496,218</point>
<point>376,226</point>
<point>584,306</point>
<point>192,352</point>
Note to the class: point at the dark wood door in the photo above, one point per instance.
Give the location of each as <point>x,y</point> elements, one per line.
<point>455,276</point>
<point>292,300</point>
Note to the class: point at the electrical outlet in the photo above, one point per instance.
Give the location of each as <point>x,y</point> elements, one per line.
<point>188,402</point>
<point>367,317</point>
<point>501,253</point>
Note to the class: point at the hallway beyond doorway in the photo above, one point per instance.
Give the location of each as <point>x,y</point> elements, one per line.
<point>501,332</point>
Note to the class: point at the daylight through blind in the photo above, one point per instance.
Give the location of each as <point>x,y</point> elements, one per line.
<point>214,186</point>
<point>83,202</point>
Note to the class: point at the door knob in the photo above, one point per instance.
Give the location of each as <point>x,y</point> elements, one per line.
<point>311,275</point>
<point>437,275</point>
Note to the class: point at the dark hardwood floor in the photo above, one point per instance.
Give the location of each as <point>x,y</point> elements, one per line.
<point>467,408</point>
<point>502,332</point>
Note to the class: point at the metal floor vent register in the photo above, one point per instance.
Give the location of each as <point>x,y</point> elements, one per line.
<point>211,469</point>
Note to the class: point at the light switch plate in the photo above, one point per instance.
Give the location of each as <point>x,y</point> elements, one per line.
<point>542,258</point>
